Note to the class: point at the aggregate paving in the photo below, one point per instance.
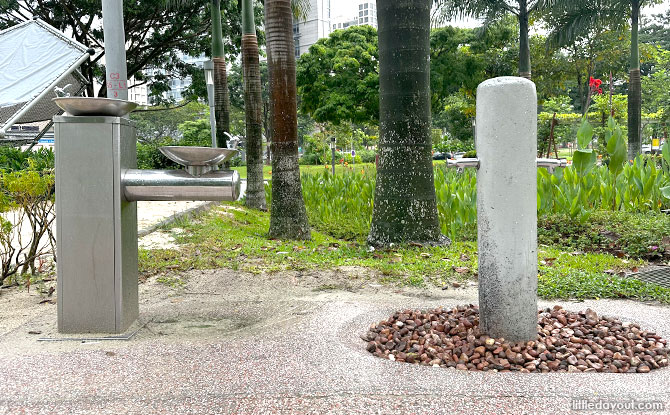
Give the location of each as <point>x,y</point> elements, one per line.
<point>290,350</point>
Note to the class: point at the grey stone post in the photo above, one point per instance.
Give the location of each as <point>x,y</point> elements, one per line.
<point>115,49</point>
<point>507,207</point>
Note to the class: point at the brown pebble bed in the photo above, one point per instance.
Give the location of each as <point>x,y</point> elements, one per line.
<point>566,342</point>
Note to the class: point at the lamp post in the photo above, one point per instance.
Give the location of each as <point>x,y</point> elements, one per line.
<point>332,149</point>
<point>209,79</point>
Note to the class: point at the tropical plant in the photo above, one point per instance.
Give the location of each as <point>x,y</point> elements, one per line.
<point>585,158</point>
<point>405,208</point>
<point>580,15</point>
<point>288,216</point>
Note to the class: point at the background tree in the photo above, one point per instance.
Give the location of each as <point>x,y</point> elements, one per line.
<point>155,36</point>
<point>405,207</point>
<point>221,97</point>
<point>338,79</point>
<point>492,10</point>
<point>253,103</point>
<point>288,216</point>
<point>580,15</point>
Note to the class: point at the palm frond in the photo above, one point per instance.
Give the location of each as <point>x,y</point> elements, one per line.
<point>580,17</point>
<point>446,10</point>
<point>301,9</point>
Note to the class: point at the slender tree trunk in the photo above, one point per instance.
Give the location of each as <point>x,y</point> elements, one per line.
<point>524,41</point>
<point>253,102</point>
<point>634,88</point>
<point>405,208</point>
<point>221,97</point>
<point>288,216</point>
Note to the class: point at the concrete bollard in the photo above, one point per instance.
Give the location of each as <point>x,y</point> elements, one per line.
<point>507,208</point>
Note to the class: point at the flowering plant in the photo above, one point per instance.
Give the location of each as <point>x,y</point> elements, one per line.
<point>585,158</point>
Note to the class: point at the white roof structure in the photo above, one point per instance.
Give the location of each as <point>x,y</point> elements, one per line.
<point>34,59</point>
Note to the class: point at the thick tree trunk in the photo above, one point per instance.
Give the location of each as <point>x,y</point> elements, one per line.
<point>524,42</point>
<point>288,217</point>
<point>634,88</point>
<point>253,107</point>
<point>221,97</point>
<point>405,208</point>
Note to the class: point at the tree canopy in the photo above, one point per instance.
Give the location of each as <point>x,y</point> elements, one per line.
<point>338,79</point>
<point>155,35</point>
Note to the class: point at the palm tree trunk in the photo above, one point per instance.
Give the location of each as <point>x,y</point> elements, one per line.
<point>288,216</point>
<point>524,41</point>
<point>405,208</point>
<point>221,97</point>
<point>634,88</point>
<point>253,102</point>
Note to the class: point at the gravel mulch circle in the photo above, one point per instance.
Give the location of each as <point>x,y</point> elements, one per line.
<point>567,342</point>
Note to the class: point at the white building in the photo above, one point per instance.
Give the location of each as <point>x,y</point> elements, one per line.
<point>366,14</point>
<point>316,26</point>
<point>343,22</point>
<point>138,92</point>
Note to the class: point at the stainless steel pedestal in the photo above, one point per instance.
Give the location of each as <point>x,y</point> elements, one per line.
<point>96,229</point>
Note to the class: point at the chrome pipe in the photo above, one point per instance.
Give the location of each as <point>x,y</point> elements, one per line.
<point>552,163</point>
<point>464,163</point>
<point>178,185</point>
<point>474,162</point>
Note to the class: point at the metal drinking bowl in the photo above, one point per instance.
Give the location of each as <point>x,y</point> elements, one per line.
<point>197,156</point>
<point>107,107</point>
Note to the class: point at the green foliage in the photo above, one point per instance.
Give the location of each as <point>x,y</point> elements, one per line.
<point>636,234</point>
<point>638,188</point>
<point>340,205</point>
<point>28,197</point>
<point>13,159</point>
<point>160,122</point>
<point>338,79</point>
<point>156,36</point>
<point>194,133</point>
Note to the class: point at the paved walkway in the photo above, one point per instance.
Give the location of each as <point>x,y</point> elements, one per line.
<point>231,343</point>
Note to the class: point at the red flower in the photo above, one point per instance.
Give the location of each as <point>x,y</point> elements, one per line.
<point>595,83</point>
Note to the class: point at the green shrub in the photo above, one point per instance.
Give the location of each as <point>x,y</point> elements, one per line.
<point>14,159</point>
<point>29,195</point>
<point>638,235</point>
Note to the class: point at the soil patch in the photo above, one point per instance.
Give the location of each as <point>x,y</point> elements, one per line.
<point>567,342</point>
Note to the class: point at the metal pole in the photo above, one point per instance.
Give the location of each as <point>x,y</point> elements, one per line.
<point>507,208</point>
<point>115,49</point>
<point>208,66</point>
<point>332,149</point>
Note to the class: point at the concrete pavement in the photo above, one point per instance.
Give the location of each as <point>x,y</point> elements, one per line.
<point>232,343</point>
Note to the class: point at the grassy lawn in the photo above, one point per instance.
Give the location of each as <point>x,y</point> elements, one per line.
<point>231,236</point>
<point>267,170</point>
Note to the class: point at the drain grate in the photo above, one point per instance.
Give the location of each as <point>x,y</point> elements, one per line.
<point>659,276</point>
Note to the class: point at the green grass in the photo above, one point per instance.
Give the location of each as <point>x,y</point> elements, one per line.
<point>339,169</point>
<point>234,237</point>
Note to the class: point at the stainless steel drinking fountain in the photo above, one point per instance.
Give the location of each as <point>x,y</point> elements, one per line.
<point>97,185</point>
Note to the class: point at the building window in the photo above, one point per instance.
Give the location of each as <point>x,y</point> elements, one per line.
<point>366,20</point>
<point>360,7</point>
